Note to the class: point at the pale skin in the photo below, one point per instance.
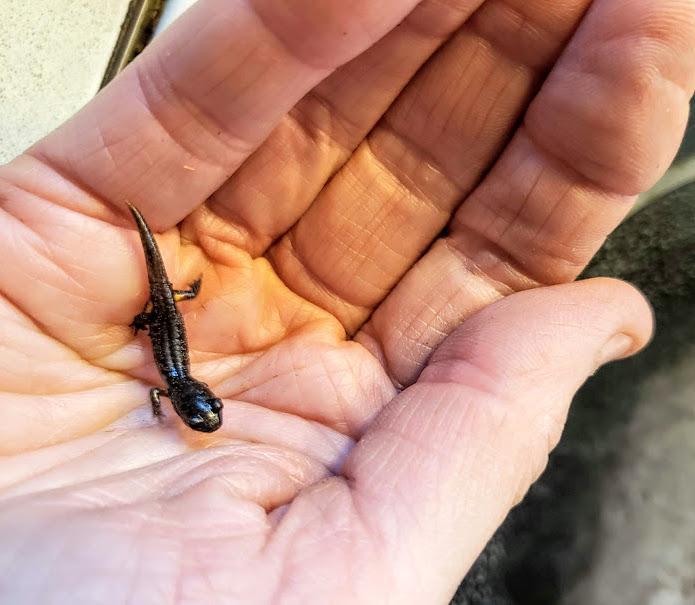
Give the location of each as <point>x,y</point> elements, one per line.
<point>390,390</point>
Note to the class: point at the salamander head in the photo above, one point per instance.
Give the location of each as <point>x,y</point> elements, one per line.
<point>197,406</point>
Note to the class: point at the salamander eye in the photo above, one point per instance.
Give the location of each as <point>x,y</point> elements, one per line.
<point>216,405</point>
<point>195,420</point>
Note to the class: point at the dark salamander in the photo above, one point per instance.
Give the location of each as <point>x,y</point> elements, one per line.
<point>193,401</point>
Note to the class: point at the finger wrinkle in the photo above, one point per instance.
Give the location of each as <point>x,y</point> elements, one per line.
<point>220,149</point>
<point>437,19</point>
<point>462,108</point>
<point>43,325</point>
<point>302,279</point>
<point>276,27</point>
<point>555,156</point>
<point>434,188</point>
<point>331,28</point>
<point>174,476</point>
<point>35,174</point>
<point>451,367</point>
<point>524,33</point>
<point>516,212</point>
<point>549,219</point>
<point>490,260</point>
<point>323,123</point>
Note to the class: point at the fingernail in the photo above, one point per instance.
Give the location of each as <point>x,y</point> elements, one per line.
<point>618,346</point>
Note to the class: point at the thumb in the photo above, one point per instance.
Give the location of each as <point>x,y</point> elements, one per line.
<point>442,465</point>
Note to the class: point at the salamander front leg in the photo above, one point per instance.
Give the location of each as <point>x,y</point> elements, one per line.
<point>155,394</point>
<point>189,294</point>
<point>142,320</point>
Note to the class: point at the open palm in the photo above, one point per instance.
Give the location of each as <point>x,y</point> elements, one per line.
<point>305,163</point>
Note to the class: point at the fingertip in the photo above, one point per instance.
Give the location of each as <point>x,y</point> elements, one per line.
<point>568,327</point>
<point>636,312</point>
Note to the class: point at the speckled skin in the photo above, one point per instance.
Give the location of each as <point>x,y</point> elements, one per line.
<point>193,400</point>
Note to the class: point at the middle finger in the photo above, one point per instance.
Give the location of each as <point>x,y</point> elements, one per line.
<point>399,189</point>
<point>275,186</point>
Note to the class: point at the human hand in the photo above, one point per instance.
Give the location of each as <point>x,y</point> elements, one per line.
<point>354,464</point>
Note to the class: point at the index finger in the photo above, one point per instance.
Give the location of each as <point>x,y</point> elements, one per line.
<point>174,125</point>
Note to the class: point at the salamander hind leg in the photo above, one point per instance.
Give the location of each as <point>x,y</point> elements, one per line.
<point>189,294</point>
<point>155,394</point>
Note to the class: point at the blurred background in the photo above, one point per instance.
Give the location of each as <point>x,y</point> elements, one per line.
<point>612,520</point>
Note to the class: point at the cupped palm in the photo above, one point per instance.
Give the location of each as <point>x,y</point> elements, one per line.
<point>313,207</point>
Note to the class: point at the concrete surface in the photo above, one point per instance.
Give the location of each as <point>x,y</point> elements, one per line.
<point>53,54</point>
